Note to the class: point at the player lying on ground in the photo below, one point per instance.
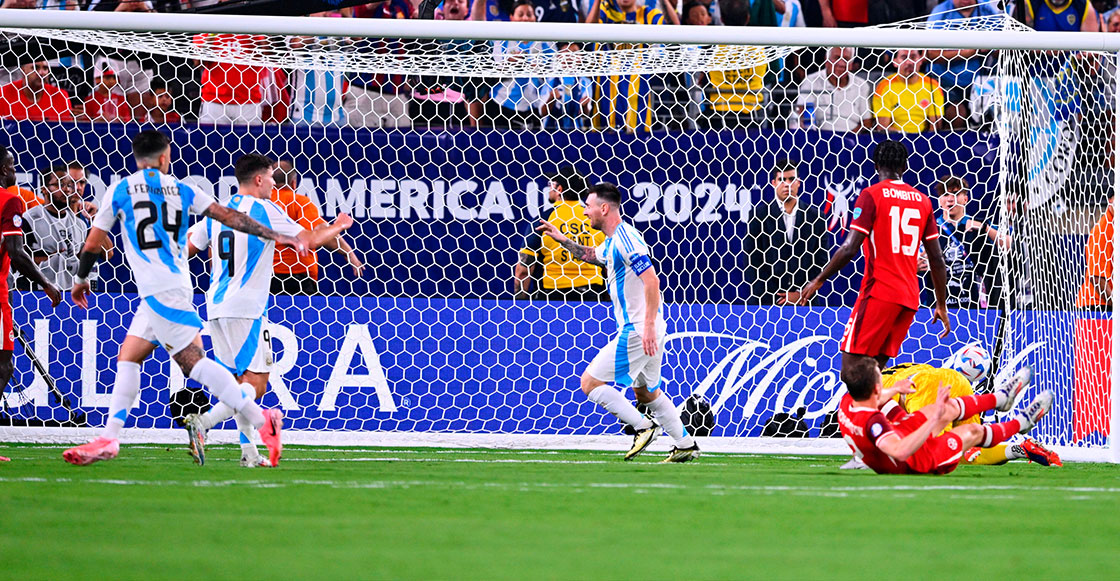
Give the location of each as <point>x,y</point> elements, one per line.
<point>13,254</point>
<point>926,379</point>
<point>152,206</point>
<point>633,358</point>
<point>240,281</point>
<point>891,219</point>
<point>890,441</point>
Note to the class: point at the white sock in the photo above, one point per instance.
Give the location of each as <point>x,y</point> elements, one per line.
<point>246,436</point>
<point>666,414</point>
<point>222,412</point>
<point>614,402</point>
<point>125,389</point>
<point>221,383</point>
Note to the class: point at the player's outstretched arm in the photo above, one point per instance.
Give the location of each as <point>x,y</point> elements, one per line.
<point>843,256</point>
<point>940,280</point>
<point>243,223</point>
<point>25,265</point>
<point>327,235</point>
<point>901,448</point>
<point>340,245</point>
<point>579,252</point>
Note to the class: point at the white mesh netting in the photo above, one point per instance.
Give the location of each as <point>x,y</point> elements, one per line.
<point>444,151</point>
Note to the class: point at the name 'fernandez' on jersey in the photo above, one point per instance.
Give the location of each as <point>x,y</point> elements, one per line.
<point>241,273</point>
<point>152,208</point>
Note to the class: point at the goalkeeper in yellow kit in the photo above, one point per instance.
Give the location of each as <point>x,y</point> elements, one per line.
<point>926,379</point>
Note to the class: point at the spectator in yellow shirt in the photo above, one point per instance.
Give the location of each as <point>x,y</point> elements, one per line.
<point>562,277</point>
<point>908,101</point>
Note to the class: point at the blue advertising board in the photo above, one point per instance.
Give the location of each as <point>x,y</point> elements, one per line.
<point>442,213</point>
<point>487,366</point>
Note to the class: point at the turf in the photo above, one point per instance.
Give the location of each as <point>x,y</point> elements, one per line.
<point>487,514</point>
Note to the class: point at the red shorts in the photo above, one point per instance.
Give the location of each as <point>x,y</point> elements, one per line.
<point>876,327</point>
<point>939,455</point>
<point>6,328</point>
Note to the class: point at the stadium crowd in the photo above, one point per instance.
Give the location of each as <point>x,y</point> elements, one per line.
<point>838,89</point>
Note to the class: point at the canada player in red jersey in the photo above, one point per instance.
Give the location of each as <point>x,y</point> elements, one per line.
<point>13,254</point>
<point>890,441</point>
<point>890,220</point>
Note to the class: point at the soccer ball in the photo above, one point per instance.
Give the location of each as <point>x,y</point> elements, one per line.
<point>972,361</point>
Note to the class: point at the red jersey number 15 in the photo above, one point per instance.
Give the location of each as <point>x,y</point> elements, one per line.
<point>905,230</point>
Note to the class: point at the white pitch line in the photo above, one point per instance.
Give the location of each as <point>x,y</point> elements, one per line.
<point>719,489</point>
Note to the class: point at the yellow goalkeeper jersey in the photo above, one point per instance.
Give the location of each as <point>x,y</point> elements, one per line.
<point>927,379</point>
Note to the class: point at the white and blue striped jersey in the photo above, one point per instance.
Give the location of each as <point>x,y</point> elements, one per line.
<point>241,264</point>
<point>317,94</point>
<point>627,257</point>
<point>153,209</point>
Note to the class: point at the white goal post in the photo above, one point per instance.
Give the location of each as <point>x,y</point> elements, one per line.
<point>433,347</point>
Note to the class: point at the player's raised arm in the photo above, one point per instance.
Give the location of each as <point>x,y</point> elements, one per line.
<point>579,252</point>
<point>340,245</point>
<point>328,235</point>
<point>244,223</point>
<point>940,279</point>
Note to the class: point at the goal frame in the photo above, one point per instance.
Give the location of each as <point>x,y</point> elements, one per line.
<point>30,21</point>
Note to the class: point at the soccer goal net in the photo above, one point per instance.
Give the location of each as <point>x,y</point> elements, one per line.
<point>739,165</point>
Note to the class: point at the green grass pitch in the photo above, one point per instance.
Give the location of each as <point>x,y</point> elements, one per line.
<point>490,514</point>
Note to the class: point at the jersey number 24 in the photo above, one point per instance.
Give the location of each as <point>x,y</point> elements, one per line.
<point>145,233</point>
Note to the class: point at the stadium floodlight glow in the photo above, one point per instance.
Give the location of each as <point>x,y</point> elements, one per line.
<point>431,349</point>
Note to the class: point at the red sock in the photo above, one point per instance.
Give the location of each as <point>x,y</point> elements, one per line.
<point>975,404</point>
<point>996,433</point>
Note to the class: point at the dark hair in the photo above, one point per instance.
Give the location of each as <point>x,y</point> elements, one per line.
<point>949,182</point>
<point>528,3</point>
<point>250,165</point>
<point>3,153</point>
<point>572,184</point>
<point>890,155</point>
<point>76,165</point>
<point>157,85</point>
<point>576,43</point>
<point>861,377</point>
<point>690,5</point>
<point>285,177</point>
<point>782,166</point>
<point>735,12</point>
<point>52,170</point>
<point>149,143</point>
<point>607,192</point>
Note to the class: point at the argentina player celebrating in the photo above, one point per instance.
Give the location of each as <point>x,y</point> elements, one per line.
<point>240,281</point>
<point>633,358</point>
<point>151,207</point>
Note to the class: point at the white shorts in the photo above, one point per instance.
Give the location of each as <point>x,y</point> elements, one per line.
<point>242,345</point>
<point>131,76</point>
<point>624,362</point>
<point>230,113</point>
<point>167,319</point>
<point>372,109</point>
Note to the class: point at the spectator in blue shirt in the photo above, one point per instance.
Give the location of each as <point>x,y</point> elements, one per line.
<point>956,69</point>
<point>568,103</point>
